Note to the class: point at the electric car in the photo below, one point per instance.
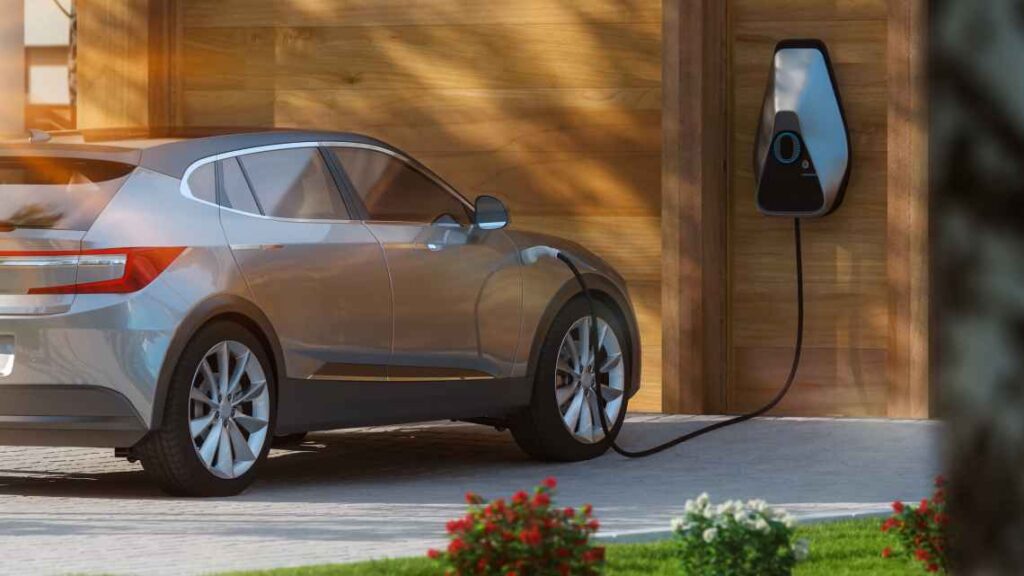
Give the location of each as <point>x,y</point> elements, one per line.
<point>189,302</point>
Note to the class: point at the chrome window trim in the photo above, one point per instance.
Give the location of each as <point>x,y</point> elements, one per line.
<point>408,162</point>
<point>186,190</point>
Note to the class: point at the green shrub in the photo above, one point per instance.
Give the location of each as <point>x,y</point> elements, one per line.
<point>527,536</point>
<point>736,539</point>
<point>922,531</point>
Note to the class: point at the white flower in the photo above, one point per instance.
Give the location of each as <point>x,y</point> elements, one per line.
<point>757,505</point>
<point>710,534</point>
<point>788,520</point>
<point>801,549</point>
<point>761,526</point>
<point>709,513</point>
<point>741,516</point>
<point>703,500</point>
<point>680,525</point>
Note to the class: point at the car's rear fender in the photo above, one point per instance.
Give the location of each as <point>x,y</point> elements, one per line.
<point>227,307</point>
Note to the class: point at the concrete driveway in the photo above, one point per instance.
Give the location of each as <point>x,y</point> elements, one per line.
<point>372,493</point>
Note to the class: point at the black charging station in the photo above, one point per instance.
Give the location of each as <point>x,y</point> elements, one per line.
<point>802,154</point>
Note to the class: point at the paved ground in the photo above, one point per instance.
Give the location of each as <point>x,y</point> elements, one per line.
<point>387,492</point>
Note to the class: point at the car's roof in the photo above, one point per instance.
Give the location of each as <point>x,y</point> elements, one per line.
<point>171,155</point>
<point>174,158</point>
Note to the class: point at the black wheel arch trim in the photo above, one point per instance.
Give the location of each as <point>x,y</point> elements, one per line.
<point>603,288</point>
<point>214,308</point>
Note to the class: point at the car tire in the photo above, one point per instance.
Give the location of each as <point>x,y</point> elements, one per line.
<point>171,455</point>
<point>541,430</point>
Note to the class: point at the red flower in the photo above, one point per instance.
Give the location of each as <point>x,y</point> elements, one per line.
<point>490,527</point>
<point>541,499</point>
<point>933,567</point>
<point>897,507</point>
<point>921,554</point>
<point>924,506</point>
<point>940,481</point>
<point>433,554</point>
<point>456,546</point>
<point>588,509</point>
<point>520,497</point>
<point>530,537</point>
<point>564,570</point>
<point>569,512</point>
<point>887,552</point>
<point>472,498</point>
<point>941,519</point>
<point>550,483</point>
<point>562,553</point>
<point>593,555</point>
<point>593,525</point>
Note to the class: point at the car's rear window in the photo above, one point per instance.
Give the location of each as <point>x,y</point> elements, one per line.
<point>56,193</point>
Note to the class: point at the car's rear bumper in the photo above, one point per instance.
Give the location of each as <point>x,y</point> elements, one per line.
<point>67,415</point>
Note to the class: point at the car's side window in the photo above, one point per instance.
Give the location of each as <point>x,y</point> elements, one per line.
<point>203,183</point>
<point>294,183</point>
<point>393,191</point>
<point>235,190</point>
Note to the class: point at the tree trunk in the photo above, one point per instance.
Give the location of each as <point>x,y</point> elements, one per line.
<point>977,148</point>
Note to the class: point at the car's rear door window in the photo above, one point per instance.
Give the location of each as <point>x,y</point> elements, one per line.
<point>56,193</point>
<point>236,192</point>
<point>294,183</point>
<point>203,183</point>
<point>394,191</point>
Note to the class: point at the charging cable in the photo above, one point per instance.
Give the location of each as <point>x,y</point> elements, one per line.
<point>602,403</point>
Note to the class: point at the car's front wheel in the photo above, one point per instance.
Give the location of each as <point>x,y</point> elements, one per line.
<point>217,422</point>
<point>562,420</point>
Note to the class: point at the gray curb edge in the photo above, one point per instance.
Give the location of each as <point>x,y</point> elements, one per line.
<point>645,536</point>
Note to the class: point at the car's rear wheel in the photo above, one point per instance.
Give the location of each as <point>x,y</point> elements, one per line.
<point>562,420</point>
<point>217,422</point>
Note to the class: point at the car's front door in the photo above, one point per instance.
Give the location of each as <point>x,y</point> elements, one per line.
<point>457,289</point>
<point>317,273</point>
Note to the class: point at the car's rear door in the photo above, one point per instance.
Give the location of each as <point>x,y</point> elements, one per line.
<point>317,273</point>
<point>457,288</point>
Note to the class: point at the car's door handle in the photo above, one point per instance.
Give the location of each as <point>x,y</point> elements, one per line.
<point>257,246</point>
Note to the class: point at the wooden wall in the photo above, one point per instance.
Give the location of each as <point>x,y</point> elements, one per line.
<point>846,339</point>
<point>851,257</point>
<point>553,105</point>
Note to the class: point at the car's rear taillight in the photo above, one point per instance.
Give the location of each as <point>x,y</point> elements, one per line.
<point>108,271</point>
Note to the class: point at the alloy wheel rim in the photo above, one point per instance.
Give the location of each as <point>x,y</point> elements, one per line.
<point>229,410</point>
<point>579,377</point>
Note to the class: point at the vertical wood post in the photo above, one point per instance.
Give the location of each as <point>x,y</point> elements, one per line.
<point>694,187</point>
<point>907,229</point>
<point>12,68</point>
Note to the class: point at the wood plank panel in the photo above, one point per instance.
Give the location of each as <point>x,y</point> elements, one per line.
<point>375,13</point>
<point>845,254</point>
<point>113,63</point>
<point>838,381</point>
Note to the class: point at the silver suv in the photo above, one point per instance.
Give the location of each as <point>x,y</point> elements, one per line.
<point>188,301</point>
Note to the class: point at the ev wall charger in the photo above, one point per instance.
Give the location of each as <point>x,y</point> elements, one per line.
<point>802,153</point>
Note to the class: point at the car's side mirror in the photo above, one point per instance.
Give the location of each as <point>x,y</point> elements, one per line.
<point>491,213</point>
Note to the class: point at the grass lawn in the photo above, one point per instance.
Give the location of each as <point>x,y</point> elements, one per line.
<point>837,548</point>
